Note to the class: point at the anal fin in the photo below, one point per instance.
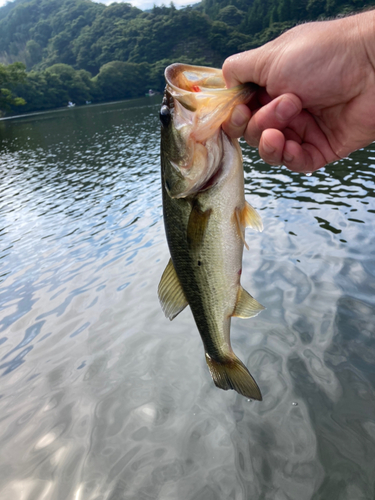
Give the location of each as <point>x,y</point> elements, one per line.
<point>170,292</point>
<point>246,306</point>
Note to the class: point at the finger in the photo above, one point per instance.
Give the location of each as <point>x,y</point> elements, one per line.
<point>302,147</point>
<point>271,146</point>
<point>302,157</point>
<point>243,67</point>
<point>275,150</point>
<point>275,115</point>
<point>291,135</point>
<point>312,150</point>
<point>236,124</point>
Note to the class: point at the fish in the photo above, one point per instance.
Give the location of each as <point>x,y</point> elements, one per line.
<point>205,215</point>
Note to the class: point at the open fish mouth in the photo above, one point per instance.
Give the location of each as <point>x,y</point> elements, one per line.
<point>190,78</point>
<point>203,91</point>
<point>199,103</point>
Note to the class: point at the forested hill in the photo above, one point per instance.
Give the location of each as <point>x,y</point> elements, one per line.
<point>87,35</point>
<point>82,50</point>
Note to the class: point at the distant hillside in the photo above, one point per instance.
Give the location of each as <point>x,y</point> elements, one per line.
<point>86,35</point>
<point>82,50</point>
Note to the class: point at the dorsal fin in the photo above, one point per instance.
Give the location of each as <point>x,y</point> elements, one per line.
<point>170,292</point>
<point>246,306</point>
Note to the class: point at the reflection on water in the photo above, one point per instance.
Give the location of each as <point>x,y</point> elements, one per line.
<point>103,398</point>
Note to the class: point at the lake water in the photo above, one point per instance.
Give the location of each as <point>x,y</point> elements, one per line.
<point>102,398</point>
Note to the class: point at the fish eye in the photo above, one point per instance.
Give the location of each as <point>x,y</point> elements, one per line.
<point>165,116</point>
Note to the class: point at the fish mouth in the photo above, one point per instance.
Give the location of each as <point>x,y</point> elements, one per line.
<point>187,78</point>
<point>201,103</point>
<point>202,90</point>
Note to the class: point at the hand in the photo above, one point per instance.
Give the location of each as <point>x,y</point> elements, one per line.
<point>316,101</point>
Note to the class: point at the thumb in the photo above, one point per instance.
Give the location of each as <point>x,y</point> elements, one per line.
<point>245,67</point>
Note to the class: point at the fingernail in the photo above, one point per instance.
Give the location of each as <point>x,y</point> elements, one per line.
<point>286,109</point>
<point>267,148</point>
<point>238,118</point>
<point>287,157</point>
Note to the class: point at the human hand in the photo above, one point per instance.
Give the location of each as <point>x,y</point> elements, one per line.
<point>316,101</point>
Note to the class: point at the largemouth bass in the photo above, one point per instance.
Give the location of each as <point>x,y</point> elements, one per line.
<point>205,215</point>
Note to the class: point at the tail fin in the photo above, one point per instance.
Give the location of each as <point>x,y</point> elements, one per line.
<point>233,374</point>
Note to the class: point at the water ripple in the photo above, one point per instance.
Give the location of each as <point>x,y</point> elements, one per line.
<point>102,397</point>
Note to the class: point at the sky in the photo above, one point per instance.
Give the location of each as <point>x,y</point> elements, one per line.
<point>141,4</point>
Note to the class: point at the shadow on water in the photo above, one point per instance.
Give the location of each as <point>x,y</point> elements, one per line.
<point>102,397</point>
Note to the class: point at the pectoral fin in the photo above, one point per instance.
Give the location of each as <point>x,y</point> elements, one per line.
<point>247,217</point>
<point>251,218</point>
<point>246,306</point>
<point>240,227</point>
<point>197,226</point>
<point>170,292</point>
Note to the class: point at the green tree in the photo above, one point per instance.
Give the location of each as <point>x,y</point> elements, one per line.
<point>41,32</point>
<point>76,85</point>
<point>10,77</point>
<point>33,53</point>
<point>316,8</point>
<point>121,80</point>
<point>231,15</point>
<point>274,16</point>
<point>284,10</point>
